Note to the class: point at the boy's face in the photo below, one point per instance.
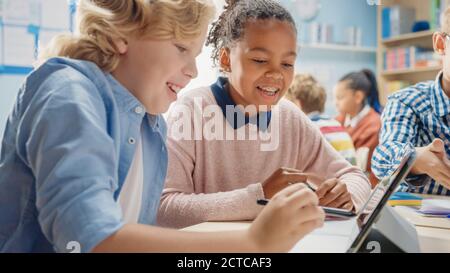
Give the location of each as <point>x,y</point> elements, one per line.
<point>154,71</point>
<point>261,64</point>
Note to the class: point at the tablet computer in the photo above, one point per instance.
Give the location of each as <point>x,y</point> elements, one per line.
<point>385,188</point>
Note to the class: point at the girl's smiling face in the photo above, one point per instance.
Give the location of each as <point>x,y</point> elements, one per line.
<point>260,65</point>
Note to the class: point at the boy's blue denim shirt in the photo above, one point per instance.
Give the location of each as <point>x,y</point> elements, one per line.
<point>66,150</point>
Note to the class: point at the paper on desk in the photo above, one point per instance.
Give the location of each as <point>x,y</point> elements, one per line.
<point>435,207</point>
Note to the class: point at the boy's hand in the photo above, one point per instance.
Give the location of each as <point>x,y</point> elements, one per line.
<point>291,214</point>
<point>432,160</point>
<point>333,193</point>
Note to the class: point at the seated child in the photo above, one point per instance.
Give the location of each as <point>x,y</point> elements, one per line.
<point>310,97</point>
<point>357,101</point>
<point>215,178</point>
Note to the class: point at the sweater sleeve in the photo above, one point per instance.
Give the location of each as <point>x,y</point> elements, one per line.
<point>317,156</point>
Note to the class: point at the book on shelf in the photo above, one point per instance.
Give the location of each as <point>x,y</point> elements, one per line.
<point>397,20</point>
<point>409,57</point>
<point>394,86</point>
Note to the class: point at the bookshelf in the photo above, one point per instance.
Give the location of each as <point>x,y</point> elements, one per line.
<point>416,37</point>
<point>412,71</point>
<point>420,39</point>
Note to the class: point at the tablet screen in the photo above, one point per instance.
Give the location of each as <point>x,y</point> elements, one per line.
<point>380,195</point>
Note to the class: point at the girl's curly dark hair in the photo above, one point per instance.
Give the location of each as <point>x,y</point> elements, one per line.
<point>230,26</point>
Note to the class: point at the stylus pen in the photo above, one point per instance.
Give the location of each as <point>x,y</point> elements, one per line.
<point>328,211</point>
<point>308,185</point>
<point>264,202</point>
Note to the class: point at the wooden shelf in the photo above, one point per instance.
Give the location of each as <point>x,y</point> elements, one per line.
<point>410,37</point>
<point>421,39</point>
<point>411,71</point>
<point>339,47</point>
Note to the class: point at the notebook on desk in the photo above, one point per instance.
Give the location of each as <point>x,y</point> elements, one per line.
<point>405,199</point>
<point>433,207</point>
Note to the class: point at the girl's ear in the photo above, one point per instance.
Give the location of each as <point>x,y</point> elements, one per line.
<point>121,45</point>
<point>360,96</point>
<point>224,59</point>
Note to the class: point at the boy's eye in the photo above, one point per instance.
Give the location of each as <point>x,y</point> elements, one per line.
<point>288,65</point>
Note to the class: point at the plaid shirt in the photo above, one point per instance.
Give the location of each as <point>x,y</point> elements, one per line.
<point>413,117</point>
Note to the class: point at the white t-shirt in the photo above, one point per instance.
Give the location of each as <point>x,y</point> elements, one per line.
<point>130,197</point>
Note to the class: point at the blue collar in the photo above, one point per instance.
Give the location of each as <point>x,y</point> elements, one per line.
<point>237,118</point>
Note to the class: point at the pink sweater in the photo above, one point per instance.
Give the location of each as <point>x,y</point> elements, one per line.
<point>220,180</point>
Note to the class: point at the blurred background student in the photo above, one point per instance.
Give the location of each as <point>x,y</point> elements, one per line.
<point>311,97</point>
<point>356,97</point>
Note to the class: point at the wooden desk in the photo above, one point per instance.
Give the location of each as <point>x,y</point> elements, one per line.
<point>433,233</point>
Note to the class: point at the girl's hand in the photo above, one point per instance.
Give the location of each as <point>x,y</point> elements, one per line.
<point>290,215</point>
<point>281,179</point>
<point>333,193</point>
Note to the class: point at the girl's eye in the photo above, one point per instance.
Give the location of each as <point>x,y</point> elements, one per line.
<point>259,61</point>
<point>182,49</point>
<point>288,65</point>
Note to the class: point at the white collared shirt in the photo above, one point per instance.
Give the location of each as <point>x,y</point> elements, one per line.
<point>130,197</point>
<point>353,122</point>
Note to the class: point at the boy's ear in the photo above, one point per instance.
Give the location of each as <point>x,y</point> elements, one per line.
<point>121,45</point>
<point>439,42</point>
<point>224,59</point>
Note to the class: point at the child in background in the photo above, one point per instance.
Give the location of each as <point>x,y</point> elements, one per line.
<point>211,178</point>
<point>357,101</point>
<point>84,158</point>
<point>310,97</point>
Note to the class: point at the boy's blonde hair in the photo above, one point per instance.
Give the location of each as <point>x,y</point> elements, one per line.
<point>309,92</point>
<point>102,22</point>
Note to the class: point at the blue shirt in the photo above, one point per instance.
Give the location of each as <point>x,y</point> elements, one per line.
<point>413,117</point>
<point>67,147</point>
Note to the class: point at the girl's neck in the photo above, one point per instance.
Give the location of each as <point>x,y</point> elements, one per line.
<point>238,100</point>
<point>354,114</point>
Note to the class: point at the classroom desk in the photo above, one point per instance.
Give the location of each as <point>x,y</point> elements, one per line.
<point>433,233</point>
